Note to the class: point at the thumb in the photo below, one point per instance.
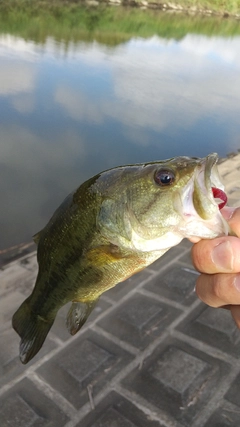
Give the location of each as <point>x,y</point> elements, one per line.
<point>232,215</point>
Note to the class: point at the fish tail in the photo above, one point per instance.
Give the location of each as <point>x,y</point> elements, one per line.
<point>32,329</point>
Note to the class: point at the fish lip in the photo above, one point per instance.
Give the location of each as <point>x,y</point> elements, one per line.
<point>196,204</point>
<point>210,161</point>
<point>211,175</point>
<point>206,174</point>
<point>206,177</point>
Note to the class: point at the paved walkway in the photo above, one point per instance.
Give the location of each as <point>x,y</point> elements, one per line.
<point>150,355</point>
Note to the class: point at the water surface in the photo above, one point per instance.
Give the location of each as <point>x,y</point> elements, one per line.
<point>70,108</point>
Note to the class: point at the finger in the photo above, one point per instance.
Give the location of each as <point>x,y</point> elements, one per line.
<point>232,215</point>
<point>235,310</point>
<point>220,255</point>
<point>218,290</point>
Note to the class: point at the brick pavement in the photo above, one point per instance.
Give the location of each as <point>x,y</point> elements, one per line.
<point>151,354</point>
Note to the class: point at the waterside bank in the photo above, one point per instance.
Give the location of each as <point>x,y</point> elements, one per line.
<point>224,8</point>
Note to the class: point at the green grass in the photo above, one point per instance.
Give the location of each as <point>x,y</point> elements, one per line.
<point>37,20</point>
<point>221,6</point>
<point>231,6</point>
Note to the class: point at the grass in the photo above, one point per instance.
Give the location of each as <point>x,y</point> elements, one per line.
<point>37,20</point>
<point>220,6</point>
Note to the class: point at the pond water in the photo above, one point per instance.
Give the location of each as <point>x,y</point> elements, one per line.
<point>71,109</point>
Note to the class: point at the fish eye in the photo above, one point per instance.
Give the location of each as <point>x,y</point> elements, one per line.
<point>164,177</point>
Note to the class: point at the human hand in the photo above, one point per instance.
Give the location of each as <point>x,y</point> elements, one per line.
<point>219,262</point>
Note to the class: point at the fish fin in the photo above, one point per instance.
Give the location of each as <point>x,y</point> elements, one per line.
<point>78,314</point>
<point>36,237</point>
<point>32,329</point>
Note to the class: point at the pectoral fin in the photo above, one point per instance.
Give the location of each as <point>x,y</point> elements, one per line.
<point>78,314</point>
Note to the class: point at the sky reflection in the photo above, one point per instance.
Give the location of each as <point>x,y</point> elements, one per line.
<point>69,113</point>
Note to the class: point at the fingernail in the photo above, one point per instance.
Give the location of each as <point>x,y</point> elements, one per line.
<point>222,256</point>
<point>237,282</point>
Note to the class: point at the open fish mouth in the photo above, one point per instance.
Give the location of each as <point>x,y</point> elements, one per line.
<point>212,179</point>
<point>208,191</point>
<point>201,200</point>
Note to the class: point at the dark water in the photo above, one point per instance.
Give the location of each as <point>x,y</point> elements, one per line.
<point>70,111</point>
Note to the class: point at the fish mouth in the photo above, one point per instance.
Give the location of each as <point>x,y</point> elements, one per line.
<point>202,199</point>
<point>208,192</point>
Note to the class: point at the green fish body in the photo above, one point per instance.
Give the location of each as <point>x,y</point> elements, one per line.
<point>112,226</point>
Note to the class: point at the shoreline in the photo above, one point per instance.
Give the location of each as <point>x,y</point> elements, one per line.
<point>169,7</point>
<point>110,22</point>
<point>227,9</point>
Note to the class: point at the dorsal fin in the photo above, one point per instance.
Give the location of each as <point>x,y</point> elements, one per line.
<point>36,237</point>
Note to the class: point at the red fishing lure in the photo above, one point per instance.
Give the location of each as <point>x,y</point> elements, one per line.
<point>219,194</point>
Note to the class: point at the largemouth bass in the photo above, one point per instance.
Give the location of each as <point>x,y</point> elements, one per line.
<point>114,225</point>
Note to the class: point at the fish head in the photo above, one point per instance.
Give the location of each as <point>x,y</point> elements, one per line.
<point>155,205</point>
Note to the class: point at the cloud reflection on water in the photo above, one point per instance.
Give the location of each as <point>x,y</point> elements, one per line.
<point>68,114</point>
